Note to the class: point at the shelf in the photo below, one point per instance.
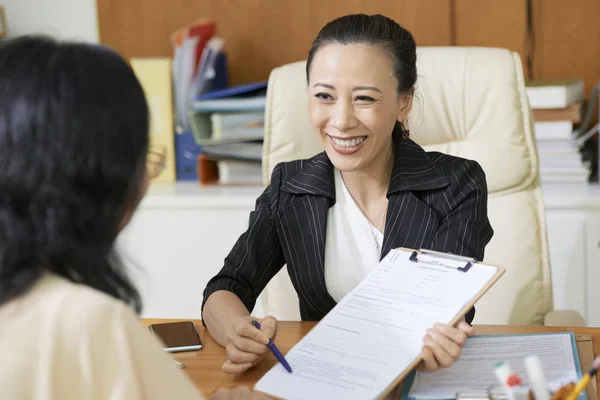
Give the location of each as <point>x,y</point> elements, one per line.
<point>193,195</point>
<point>571,196</point>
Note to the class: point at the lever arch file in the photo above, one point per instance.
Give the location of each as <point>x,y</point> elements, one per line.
<point>368,343</point>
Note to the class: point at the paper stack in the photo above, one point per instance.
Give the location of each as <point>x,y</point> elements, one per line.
<point>214,114</point>
<point>229,125</point>
<point>556,109</point>
<point>199,66</point>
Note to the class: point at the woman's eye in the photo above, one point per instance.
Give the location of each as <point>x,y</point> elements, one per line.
<point>323,96</point>
<point>364,98</point>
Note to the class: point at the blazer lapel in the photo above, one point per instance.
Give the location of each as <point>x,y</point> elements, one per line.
<point>304,223</point>
<point>314,177</point>
<point>413,170</point>
<point>410,222</point>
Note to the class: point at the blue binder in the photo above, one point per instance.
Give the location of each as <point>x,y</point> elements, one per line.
<point>186,156</point>
<point>245,90</point>
<point>220,80</point>
<point>408,382</point>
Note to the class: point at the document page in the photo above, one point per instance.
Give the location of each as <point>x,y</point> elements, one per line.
<point>376,331</point>
<point>474,370</point>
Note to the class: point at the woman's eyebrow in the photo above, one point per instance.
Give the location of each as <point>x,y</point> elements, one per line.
<point>355,88</point>
<point>366,88</point>
<point>325,85</point>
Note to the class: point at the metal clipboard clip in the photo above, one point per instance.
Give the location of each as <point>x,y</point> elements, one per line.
<point>432,257</point>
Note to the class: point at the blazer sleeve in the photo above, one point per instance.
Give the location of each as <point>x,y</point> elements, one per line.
<point>465,229</point>
<point>257,254</point>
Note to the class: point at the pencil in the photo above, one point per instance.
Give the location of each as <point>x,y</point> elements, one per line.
<point>585,380</point>
<point>563,392</point>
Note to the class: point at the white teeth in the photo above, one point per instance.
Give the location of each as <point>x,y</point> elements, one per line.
<point>348,143</point>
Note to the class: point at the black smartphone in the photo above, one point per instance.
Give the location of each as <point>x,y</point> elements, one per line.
<point>177,336</point>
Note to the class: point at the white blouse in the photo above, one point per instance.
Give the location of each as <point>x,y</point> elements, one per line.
<point>66,341</point>
<point>352,245</point>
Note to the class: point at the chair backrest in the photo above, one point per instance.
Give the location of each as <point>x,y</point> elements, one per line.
<point>470,102</point>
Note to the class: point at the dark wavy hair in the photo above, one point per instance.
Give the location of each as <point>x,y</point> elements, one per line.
<point>73,147</point>
<point>374,30</point>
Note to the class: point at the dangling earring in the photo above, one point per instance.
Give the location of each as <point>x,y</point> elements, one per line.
<point>405,132</point>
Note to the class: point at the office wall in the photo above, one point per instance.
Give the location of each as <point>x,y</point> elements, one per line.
<point>259,34</point>
<point>67,19</point>
<point>262,34</point>
<point>567,40</point>
<point>565,36</point>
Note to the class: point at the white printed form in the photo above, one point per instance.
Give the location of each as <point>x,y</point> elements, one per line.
<point>376,331</point>
<point>474,370</point>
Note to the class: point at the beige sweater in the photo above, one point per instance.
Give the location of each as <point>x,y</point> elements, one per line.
<point>67,341</point>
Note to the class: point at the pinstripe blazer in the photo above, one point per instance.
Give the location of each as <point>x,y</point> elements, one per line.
<point>435,201</point>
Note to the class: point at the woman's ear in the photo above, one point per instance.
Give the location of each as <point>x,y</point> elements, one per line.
<point>405,105</point>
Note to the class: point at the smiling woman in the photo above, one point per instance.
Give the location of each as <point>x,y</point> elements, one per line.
<point>333,217</point>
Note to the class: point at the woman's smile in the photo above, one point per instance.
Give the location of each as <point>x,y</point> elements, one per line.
<point>347,145</point>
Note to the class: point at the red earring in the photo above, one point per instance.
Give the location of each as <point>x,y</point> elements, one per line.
<point>406,133</point>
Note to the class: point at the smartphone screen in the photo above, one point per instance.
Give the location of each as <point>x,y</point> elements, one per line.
<point>177,336</point>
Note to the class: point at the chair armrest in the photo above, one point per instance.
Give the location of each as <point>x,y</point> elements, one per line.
<point>564,318</point>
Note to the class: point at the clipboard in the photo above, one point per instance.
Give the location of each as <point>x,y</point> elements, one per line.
<point>422,258</point>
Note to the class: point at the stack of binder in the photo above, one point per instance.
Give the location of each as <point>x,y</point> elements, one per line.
<point>557,109</point>
<point>199,66</point>
<point>229,126</point>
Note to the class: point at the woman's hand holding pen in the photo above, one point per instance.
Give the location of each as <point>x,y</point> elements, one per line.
<point>442,346</point>
<point>247,345</point>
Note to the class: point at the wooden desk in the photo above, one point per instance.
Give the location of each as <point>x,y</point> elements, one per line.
<point>204,366</point>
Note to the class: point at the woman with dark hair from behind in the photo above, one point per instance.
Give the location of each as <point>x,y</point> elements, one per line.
<point>73,168</point>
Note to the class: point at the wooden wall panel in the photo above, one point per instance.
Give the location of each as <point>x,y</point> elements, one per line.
<point>262,34</point>
<point>567,40</point>
<point>492,23</point>
<point>259,34</point>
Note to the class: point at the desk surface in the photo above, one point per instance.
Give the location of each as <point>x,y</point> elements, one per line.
<point>204,366</point>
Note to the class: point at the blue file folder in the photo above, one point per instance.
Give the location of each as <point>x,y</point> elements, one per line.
<point>408,382</point>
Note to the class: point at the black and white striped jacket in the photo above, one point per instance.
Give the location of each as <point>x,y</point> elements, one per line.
<point>436,201</point>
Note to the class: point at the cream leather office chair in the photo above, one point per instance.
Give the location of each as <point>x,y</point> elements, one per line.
<point>470,102</point>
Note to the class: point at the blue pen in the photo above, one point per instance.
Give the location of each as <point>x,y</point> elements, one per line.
<point>275,351</point>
